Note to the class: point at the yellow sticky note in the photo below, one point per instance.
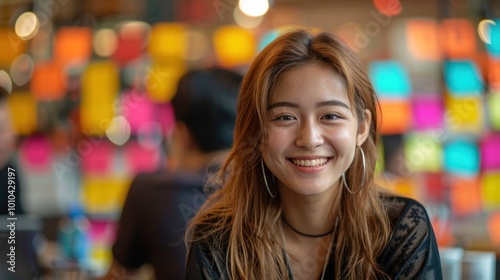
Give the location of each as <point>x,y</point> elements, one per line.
<point>380,164</point>
<point>162,79</point>
<point>10,46</point>
<point>423,153</point>
<point>464,114</point>
<point>100,86</point>
<point>104,194</point>
<point>168,42</point>
<point>490,185</point>
<point>234,46</point>
<point>23,109</point>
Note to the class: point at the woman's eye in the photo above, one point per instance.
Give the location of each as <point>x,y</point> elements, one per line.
<point>284,118</point>
<point>331,117</point>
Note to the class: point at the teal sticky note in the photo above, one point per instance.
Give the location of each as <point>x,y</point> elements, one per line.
<point>267,38</point>
<point>390,79</point>
<point>423,153</point>
<point>493,48</point>
<point>462,78</point>
<point>461,157</point>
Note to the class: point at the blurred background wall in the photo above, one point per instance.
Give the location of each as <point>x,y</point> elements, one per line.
<point>90,83</point>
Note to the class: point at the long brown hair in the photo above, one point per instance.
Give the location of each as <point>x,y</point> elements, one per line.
<point>242,220</point>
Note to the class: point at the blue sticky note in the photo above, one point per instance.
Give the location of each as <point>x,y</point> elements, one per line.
<point>390,79</point>
<point>462,78</point>
<point>267,38</point>
<point>493,48</point>
<point>461,157</point>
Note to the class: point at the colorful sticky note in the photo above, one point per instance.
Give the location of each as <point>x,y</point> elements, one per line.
<point>434,186</point>
<point>465,196</point>
<point>234,46</point>
<point>100,85</point>
<point>423,153</point>
<point>491,195</point>
<point>23,109</point>
<point>493,103</point>
<point>101,231</point>
<point>73,45</point>
<point>104,195</point>
<point>97,157</point>
<point>422,38</point>
<point>427,111</point>
<point>36,152</point>
<point>48,82</point>
<point>390,79</point>
<point>493,71</point>
<point>493,48</point>
<point>464,114</point>
<point>494,228</point>
<point>141,159</point>
<point>267,38</point>
<point>130,43</point>
<point>458,38</point>
<point>168,42</point>
<point>162,79</point>
<point>165,116</point>
<point>490,152</point>
<point>11,46</point>
<point>462,78</point>
<point>137,108</point>
<point>395,117</point>
<point>461,157</point>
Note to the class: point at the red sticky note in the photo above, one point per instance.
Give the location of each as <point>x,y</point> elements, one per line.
<point>97,156</point>
<point>493,70</point>
<point>458,38</point>
<point>428,111</point>
<point>130,45</point>
<point>434,186</point>
<point>423,39</point>
<point>141,159</point>
<point>36,152</point>
<point>490,152</point>
<point>48,82</point>
<point>465,196</point>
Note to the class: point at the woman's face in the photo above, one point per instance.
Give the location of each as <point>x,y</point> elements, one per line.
<point>311,131</point>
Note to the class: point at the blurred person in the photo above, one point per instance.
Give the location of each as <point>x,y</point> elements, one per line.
<point>158,206</point>
<point>298,199</point>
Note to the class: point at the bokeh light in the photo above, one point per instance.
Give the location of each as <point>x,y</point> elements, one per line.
<point>105,42</point>
<point>5,81</point>
<point>21,69</point>
<point>484,30</point>
<point>254,8</point>
<point>246,21</point>
<point>118,130</point>
<point>388,7</point>
<point>27,25</point>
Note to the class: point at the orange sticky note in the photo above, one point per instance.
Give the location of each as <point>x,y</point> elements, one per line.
<point>73,45</point>
<point>395,117</point>
<point>458,38</point>
<point>493,75</point>
<point>10,45</point>
<point>494,228</point>
<point>23,109</point>
<point>490,189</point>
<point>464,114</point>
<point>465,196</point>
<point>48,82</point>
<point>104,194</point>
<point>423,39</point>
<point>234,46</point>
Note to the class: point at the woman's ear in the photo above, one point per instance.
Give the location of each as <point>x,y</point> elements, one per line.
<point>364,127</point>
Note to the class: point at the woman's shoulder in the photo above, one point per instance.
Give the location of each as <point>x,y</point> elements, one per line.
<point>405,209</point>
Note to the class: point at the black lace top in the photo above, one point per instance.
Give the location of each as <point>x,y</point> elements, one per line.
<point>411,252</point>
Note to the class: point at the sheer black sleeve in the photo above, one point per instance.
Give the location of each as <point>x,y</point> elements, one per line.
<point>412,252</point>
<point>204,263</point>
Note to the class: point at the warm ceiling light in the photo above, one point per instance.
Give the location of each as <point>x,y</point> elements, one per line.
<point>254,8</point>
<point>27,25</point>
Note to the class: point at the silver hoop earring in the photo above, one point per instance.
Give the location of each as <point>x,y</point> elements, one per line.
<point>265,179</point>
<point>362,179</point>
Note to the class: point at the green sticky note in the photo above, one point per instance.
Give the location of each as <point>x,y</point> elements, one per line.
<point>494,110</point>
<point>423,153</point>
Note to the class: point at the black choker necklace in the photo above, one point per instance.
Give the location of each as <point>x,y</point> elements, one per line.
<point>304,234</point>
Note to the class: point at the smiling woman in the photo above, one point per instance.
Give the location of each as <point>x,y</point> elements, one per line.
<point>298,200</point>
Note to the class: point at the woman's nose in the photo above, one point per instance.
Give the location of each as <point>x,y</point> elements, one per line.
<point>309,136</point>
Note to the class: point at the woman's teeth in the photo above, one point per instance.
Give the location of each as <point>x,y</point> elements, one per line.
<point>310,163</point>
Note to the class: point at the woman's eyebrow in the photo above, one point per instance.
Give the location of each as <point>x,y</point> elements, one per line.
<point>333,103</point>
<point>283,104</point>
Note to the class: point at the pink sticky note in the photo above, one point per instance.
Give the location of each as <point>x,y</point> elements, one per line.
<point>141,159</point>
<point>165,115</point>
<point>101,231</point>
<point>98,158</point>
<point>490,152</point>
<point>427,111</point>
<point>137,109</point>
<point>36,152</point>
